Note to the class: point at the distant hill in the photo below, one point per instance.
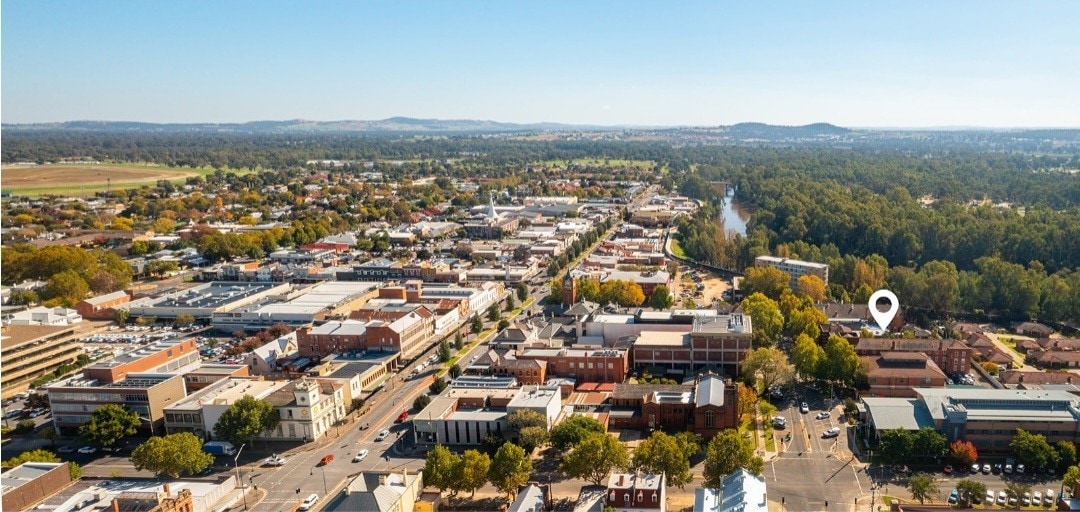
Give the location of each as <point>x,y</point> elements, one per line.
<point>768,131</point>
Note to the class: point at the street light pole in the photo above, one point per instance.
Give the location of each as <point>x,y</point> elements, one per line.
<point>240,481</point>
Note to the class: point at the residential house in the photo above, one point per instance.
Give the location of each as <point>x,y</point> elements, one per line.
<point>636,492</point>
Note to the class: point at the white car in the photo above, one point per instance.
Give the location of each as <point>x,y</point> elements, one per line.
<point>309,502</point>
<point>832,432</point>
<point>276,460</point>
<point>1001,498</point>
<point>779,422</point>
<point>360,455</point>
<point>87,450</point>
<point>1028,499</point>
<point>804,408</point>
<point>822,415</point>
<point>382,435</point>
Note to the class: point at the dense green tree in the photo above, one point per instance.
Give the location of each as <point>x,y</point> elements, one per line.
<point>439,468</point>
<point>929,444</point>
<point>1072,475</point>
<point>245,419</point>
<point>109,424</point>
<point>421,402</point>
<point>661,298</point>
<point>806,355</point>
<point>571,431</point>
<point>895,445</point>
<point>840,364</point>
<point>510,469</point>
<point>1066,451</point>
<point>471,472</point>
<point>661,453</point>
<point>38,455</point>
<point>923,487</point>
<point>1033,450</point>
<point>172,455</point>
<point>969,489</point>
<point>729,451</point>
<point>594,458</point>
<point>522,292</point>
<point>444,351</point>
<point>765,317</point>
<point>767,366</point>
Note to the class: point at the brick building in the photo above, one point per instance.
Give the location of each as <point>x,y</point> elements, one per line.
<point>102,307</point>
<point>719,343</point>
<point>161,357</point>
<point>635,492</point>
<point>706,407</point>
<point>898,373</point>
<point>951,356</point>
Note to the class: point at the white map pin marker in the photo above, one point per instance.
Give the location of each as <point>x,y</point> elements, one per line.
<point>884,318</point>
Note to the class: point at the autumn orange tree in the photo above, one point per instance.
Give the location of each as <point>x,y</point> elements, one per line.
<point>963,452</point>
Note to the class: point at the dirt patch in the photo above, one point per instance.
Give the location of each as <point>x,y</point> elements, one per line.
<point>68,175</point>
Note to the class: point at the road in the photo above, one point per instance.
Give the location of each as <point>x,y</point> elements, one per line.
<point>398,395</point>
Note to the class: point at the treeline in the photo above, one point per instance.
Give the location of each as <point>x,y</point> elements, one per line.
<point>71,274</point>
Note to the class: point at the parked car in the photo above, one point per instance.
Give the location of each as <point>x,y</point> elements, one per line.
<point>986,469</point>
<point>822,415</point>
<point>1020,469</point>
<point>1001,498</point>
<point>974,468</point>
<point>953,496</point>
<point>832,432</point>
<point>1008,469</point>
<point>779,422</point>
<point>996,469</point>
<point>361,455</point>
<point>948,470</point>
<point>803,408</point>
<point>989,496</point>
<point>1027,499</point>
<point>87,450</point>
<point>309,502</point>
<point>66,449</point>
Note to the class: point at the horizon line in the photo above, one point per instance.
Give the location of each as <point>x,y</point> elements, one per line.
<point>948,127</point>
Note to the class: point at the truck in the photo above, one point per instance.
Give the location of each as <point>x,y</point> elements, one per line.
<point>219,448</point>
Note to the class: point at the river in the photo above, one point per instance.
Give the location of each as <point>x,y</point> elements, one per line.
<point>734,214</point>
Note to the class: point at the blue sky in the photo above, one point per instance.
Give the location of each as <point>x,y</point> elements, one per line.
<point>911,63</point>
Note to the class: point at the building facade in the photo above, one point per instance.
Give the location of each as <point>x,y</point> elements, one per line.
<point>795,268</point>
<point>30,351</point>
<point>74,400</point>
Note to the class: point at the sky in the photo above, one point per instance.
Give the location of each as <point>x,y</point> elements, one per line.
<point>859,64</point>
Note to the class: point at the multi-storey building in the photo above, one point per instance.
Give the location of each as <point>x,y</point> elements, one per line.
<point>720,343</point>
<point>73,400</point>
<point>30,351</point>
<point>951,356</point>
<point>898,373</point>
<point>166,356</point>
<point>582,364</point>
<point>988,418</point>
<point>308,407</point>
<point>794,268</point>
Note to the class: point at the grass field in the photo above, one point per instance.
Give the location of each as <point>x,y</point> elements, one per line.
<point>86,179</point>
